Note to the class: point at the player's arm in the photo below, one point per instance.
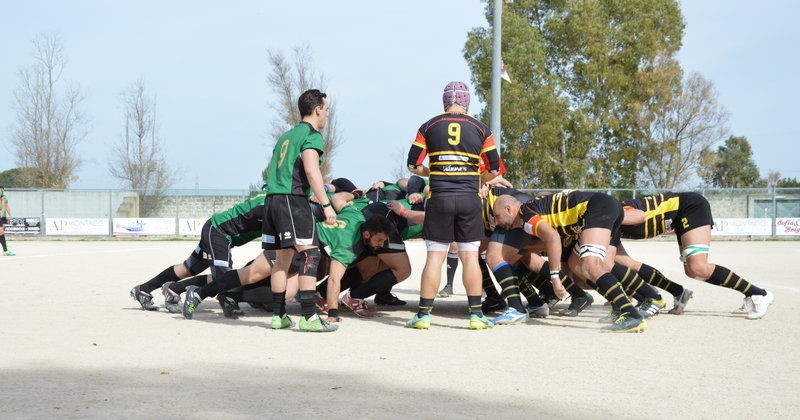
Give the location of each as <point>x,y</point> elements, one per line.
<point>416,156</point>
<point>538,227</point>
<point>334,288</point>
<point>310,158</point>
<point>413,216</point>
<point>633,216</point>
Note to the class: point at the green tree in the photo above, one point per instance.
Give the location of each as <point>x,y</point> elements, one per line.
<point>733,165</point>
<point>12,178</point>
<point>580,71</point>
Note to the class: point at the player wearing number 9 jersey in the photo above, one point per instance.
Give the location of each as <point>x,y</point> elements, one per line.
<point>455,143</point>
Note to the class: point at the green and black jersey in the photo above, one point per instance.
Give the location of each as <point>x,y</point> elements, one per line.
<point>388,192</point>
<point>342,241</point>
<point>242,222</point>
<point>287,174</point>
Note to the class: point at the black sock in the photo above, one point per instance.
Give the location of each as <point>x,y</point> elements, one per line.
<point>258,292</point>
<point>654,278</point>
<point>572,287</point>
<point>379,282</point>
<point>609,287</point>
<point>307,303</point>
<point>475,305</point>
<point>228,281</point>
<point>425,306</point>
<point>526,288</point>
<point>452,265</point>
<point>5,247</point>
<point>180,286</point>
<point>508,285</point>
<point>167,275</point>
<point>279,303</point>
<point>487,283</point>
<point>633,283</point>
<point>727,278</point>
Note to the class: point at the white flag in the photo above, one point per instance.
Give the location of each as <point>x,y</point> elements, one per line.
<point>503,72</point>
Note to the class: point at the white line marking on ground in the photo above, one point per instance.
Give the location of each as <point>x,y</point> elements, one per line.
<point>67,254</point>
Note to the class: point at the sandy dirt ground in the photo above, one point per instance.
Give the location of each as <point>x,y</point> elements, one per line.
<point>73,344</point>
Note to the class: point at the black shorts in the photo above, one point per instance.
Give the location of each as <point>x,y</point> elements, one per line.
<point>288,222</point>
<point>3,221</point>
<point>693,212</point>
<point>603,211</point>
<point>213,250</point>
<point>516,238</point>
<point>453,218</point>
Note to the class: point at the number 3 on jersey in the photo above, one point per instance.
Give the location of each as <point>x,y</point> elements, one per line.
<point>284,148</point>
<point>454,130</point>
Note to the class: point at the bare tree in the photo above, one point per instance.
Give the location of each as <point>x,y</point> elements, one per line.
<point>679,129</point>
<point>137,159</point>
<point>401,169</point>
<point>49,123</point>
<point>288,78</point>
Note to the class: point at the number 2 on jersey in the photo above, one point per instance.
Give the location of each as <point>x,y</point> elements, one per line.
<point>284,148</point>
<point>454,130</point>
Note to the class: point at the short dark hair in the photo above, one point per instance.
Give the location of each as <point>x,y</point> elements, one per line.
<point>377,224</point>
<point>309,100</point>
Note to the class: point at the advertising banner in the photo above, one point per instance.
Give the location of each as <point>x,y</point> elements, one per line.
<point>144,226</point>
<point>786,226</point>
<point>76,226</point>
<point>23,225</point>
<point>191,227</point>
<point>742,227</point>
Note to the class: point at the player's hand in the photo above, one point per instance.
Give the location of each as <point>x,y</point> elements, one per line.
<point>559,289</point>
<point>313,199</point>
<point>499,181</point>
<point>415,198</point>
<point>378,184</point>
<point>330,215</point>
<point>484,191</point>
<point>395,207</point>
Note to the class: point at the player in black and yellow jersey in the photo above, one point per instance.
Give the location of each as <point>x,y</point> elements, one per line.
<point>455,144</point>
<point>507,248</point>
<point>592,219</point>
<point>689,215</point>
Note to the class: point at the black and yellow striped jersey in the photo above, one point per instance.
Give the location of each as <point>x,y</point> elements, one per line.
<point>659,212</point>
<point>456,144</point>
<point>563,211</point>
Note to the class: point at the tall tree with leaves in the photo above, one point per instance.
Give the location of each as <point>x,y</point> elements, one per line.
<point>50,122</point>
<point>288,78</point>
<point>733,165</point>
<point>580,70</point>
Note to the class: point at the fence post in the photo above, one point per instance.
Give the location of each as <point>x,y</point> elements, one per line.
<point>110,214</point>
<point>42,222</point>
<point>774,213</point>
<point>177,215</point>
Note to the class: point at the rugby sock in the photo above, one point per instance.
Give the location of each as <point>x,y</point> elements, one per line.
<point>609,287</point>
<point>257,292</point>
<point>488,284</point>
<point>508,284</point>
<point>384,280</point>
<point>180,286</point>
<point>425,306</point>
<point>727,278</point>
<point>572,288</point>
<point>452,265</point>
<point>526,288</point>
<point>159,280</point>
<point>475,305</point>
<point>633,283</point>
<point>654,277</point>
<point>279,303</point>
<point>229,281</point>
<point>5,247</point>
<point>306,303</point>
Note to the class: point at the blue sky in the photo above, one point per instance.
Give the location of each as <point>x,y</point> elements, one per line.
<point>385,64</point>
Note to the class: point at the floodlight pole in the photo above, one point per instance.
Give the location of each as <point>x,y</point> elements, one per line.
<point>497,23</point>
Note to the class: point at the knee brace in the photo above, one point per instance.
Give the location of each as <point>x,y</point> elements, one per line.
<point>308,261</point>
<point>590,250</point>
<point>692,250</point>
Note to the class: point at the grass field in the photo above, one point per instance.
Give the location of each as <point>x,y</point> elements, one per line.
<point>75,345</point>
